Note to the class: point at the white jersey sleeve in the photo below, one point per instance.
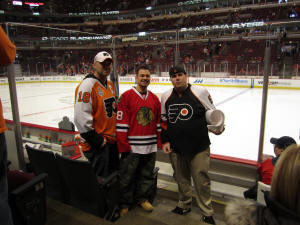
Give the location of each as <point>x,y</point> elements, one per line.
<point>84,105</point>
<point>203,96</point>
<point>164,99</point>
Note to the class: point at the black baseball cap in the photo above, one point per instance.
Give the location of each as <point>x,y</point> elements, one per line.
<point>283,142</point>
<point>176,69</point>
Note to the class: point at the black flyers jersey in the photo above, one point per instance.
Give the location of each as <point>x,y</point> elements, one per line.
<point>185,116</point>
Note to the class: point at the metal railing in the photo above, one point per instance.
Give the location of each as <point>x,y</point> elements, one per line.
<point>159,69</point>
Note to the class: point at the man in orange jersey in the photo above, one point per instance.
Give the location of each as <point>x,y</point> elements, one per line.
<point>7,56</point>
<point>95,116</point>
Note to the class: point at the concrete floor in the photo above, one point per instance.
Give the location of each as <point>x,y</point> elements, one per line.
<point>61,214</point>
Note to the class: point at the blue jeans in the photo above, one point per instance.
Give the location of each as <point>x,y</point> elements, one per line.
<point>5,215</point>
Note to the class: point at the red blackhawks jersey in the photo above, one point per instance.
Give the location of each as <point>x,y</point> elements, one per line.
<point>138,122</point>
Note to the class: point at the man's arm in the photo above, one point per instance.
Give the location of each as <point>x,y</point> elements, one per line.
<point>166,146</point>
<point>158,119</point>
<point>205,99</point>
<point>123,125</point>
<point>83,118</point>
<point>7,49</point>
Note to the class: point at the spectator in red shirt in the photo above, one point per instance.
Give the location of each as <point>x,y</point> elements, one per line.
<point>266,168</point>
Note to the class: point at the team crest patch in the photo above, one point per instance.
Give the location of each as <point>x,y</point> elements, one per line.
<point>179,112</point>
<point>144,116</point>
<point>110,88</point>
<point>100,92</point>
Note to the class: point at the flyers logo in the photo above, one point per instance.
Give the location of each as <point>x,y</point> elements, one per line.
<point>179,111</point>
<point>110,106</point>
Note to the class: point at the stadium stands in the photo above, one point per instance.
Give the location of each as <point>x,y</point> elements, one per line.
<point>211,36</point>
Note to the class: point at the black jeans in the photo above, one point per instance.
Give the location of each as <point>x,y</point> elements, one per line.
<point>104,160</point>
<point>136,178</point>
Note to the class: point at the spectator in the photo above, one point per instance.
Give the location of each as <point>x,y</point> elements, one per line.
<point>95,117</point>
<point>138,137</point>
<point>7,56</point>
<point>191,148</point>
<point>7,50</point>
<point>265,169</point>
<point>282,202</point>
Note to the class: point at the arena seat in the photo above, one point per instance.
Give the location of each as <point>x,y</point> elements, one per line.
<point>88,192</point>
<point>28,202</point>
<point>261,189</point>
<point>44,162</point>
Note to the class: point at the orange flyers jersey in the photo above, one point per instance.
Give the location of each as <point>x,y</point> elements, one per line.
<point>2,122</point>
<point>95,109</point>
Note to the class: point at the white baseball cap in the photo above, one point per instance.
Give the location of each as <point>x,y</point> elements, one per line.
<point>102,56</point>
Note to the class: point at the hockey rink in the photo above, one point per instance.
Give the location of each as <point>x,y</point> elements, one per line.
<point>47,103</point>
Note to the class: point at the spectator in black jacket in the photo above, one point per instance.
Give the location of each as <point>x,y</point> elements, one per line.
<point>185,135</point>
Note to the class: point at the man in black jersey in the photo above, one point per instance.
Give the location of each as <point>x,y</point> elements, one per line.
<point>185,136</point>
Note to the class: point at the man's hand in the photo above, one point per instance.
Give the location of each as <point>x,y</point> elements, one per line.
<point>103,143</point>
<point>218,132</point>
<point>167,148</point>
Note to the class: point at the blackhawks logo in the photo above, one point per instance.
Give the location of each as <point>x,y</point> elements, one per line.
<point>144,116</point>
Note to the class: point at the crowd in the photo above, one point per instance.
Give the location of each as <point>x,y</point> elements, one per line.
<point>163,18</point>
<point>240,57</point>
<point>235,60</point>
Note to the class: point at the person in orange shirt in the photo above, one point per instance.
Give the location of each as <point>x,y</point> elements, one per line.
<point>7,56</point>
<point>95,117</point>
<point>7,50</point>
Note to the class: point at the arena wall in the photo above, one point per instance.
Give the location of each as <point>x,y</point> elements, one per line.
<point>156,80</point>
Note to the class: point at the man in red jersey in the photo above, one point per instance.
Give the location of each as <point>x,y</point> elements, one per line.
<point>138,137</point>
